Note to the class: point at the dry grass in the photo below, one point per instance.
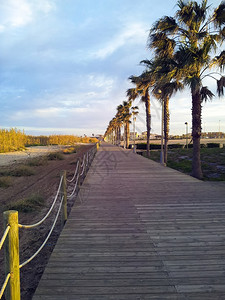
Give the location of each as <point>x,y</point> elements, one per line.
<point>30,204</point>
<point>5,182</point>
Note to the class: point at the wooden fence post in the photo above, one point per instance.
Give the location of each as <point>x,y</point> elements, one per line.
<point>85,166</point>
<point>78,173</point>
<point>64,195</point>
<point>12,255</point>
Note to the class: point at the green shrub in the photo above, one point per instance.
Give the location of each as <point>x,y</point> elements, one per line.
<point>55,156</point>
<point>155,146</point>
<point>213,145</point>
<point>175,146</point>
<point>37,161</point>
<point>29,204</point>
<point>141,146</point>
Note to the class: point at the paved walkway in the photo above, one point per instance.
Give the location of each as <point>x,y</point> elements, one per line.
<point>139,231</point>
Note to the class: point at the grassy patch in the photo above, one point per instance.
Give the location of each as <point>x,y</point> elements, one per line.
<point>55,156</point>
<point>213,161</point>
<point>37,161</point>
<point>182,166</point>
<point>18,172</point>
<point>22,171</point>
<point>70,150</point>
<point>5,182</point>
<point>29,204</point>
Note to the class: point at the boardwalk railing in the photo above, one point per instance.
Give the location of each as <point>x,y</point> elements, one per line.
<point>10,238</point>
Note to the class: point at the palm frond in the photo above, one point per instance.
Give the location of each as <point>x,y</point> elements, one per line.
<point>162,44</point>
<point>194,82</point>
<point>219,15</point>
<point>220,60</point>
<point>166,25</point>
<point>220,86</point>
<point>206,94</point>
<point>132,94</point>
<point>185,12</point>
<point>147,63</point>
<point>200,11</point>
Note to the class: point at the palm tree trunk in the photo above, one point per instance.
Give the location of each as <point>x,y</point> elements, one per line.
<point>127,134</point>
<point>119,135</point>
<point>166,127</point>
<point>148,120</point>
<point>196,134</point>
<point>124,136</point>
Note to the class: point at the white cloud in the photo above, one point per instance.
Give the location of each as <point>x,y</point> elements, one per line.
<point>100,81</point>
<point>45,6</point>
<point>132,33</point>
<point>15,13</point>
<point>18,13</point>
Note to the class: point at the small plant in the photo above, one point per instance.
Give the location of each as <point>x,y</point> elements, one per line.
<point>55,156</point>
<point>29,204</point>
<point>22,171</point>
<point>37,161</point>
<point>70,150</point>
<point>5,182</point>
<point>18,172</point>
<point>213,145</point>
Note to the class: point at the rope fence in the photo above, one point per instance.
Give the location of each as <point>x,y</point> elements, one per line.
<point>10,238</point>
<point>75,173</point>
<point>48,213</point>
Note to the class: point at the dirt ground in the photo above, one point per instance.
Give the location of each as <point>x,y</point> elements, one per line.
<point>44,182</point>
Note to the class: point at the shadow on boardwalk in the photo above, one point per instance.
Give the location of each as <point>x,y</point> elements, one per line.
<point>139,231</point>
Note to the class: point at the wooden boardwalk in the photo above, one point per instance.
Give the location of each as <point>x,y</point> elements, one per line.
<point>139,231</point>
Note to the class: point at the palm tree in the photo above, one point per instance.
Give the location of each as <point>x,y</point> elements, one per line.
<point>126,115</point>
<point>119,117</point>
<point>194,37</point>
<point>143,84</point>
<point>163,89</point>
<point>134,111</point>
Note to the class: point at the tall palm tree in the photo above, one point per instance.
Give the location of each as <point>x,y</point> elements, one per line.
<point>195,36</point>
<point>126,115</point>
<point>163,89</point>
<point>119,117</point>
<point>134,112</point>
<point>143,84</point>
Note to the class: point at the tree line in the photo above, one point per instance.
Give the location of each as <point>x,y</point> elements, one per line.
<point>14,140</point>
<point>186,50</point>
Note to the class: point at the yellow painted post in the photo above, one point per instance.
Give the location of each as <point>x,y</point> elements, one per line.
<point>12,255</point>
<point>97,146</point>
<point>64,195</point>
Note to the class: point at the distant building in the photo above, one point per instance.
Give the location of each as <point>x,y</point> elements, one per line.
<point>143,136</point>
<point>132,135</point>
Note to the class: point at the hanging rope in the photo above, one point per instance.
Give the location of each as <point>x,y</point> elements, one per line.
<point>4,236</point>
<point>83,161</point>
<point>4,285</point>
<point>51,208</point>
<point>71,180</point>
<point>45,241</point>
<point>73,192</point>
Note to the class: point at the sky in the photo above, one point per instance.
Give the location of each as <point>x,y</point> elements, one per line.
<point>65,64</point>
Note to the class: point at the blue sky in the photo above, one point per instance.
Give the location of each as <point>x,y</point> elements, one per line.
<point>64,65</point>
